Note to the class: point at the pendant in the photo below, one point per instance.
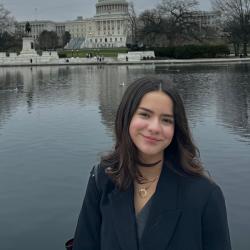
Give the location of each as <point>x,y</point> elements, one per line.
<point>143,192</point>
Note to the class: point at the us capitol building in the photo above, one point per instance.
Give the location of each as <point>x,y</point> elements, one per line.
<point>108,28</point>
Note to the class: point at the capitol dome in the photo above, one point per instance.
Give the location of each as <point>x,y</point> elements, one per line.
<point>107,7</point>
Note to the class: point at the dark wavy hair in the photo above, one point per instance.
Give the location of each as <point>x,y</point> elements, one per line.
<point>181,155</point>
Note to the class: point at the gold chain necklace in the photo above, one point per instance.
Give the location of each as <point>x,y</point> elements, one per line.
<point>143,191</point>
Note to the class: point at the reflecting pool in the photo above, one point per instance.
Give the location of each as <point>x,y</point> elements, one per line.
<point>56,122</point>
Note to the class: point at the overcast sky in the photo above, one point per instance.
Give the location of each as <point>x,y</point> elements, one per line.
<point>62,10</point>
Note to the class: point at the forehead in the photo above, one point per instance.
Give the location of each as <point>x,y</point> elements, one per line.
<point>157,101</point>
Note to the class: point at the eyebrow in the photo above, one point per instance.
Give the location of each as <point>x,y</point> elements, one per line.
<point>151,112</point>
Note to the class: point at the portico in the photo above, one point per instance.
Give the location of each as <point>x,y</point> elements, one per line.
<point>111,25</point>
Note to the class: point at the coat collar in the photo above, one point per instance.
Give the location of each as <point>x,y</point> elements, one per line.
<point>163,217</point>
<point>123,216</point>
<point>164,213</point>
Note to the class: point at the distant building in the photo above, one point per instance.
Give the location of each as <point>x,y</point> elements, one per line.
<point>60,29</point>
<point>38,26</point>
<point>111,24</point>
<point>206,19</point>
<point>107,29</point>
<point>80,27</point>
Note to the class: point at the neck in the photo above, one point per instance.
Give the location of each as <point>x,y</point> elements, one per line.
<point>151,172</point>
<point>149,159</point>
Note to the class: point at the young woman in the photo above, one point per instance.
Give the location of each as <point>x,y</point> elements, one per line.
<point>151,192</point>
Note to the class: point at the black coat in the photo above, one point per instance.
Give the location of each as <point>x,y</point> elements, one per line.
<point>187,213</point>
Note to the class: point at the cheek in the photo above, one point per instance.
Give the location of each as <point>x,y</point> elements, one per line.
<point>169,132</point>
<point>135,126</point>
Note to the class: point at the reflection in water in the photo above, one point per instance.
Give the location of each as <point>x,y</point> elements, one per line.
<point>233,100</point>
<point>11,82</point>
<point>112,87</point>
<point>205,90</point>
<point>55,120</point>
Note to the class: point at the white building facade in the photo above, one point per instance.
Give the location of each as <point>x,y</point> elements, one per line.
<point>111,25</point>
<point>107,29</point>
<point>80,27</point>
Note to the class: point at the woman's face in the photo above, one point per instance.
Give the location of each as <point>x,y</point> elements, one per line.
<point>152,126</point>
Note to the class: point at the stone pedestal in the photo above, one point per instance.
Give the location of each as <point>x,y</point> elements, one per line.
<point>28,47</point>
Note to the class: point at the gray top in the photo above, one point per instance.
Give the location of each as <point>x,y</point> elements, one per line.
<point>142,217</point>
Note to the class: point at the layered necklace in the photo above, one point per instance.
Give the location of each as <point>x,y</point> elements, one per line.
<point>143,191</point>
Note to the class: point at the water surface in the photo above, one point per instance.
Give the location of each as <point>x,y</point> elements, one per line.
<point>55,122</point>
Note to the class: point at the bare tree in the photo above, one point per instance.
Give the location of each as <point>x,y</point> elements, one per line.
<point>233,34</point>
<point>181,27</point>
<point>133,23</point>
<point>6,21</point>
<point>237,20</point>
<point>177,8</point>
<point>171,23</point>
<point>151,24</point>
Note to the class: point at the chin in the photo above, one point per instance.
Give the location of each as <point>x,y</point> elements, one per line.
<point>148,153</point>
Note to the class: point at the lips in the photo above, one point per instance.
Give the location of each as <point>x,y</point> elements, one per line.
<point>151,139</point>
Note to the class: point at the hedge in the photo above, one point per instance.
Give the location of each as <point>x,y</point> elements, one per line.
<point>192,51</point>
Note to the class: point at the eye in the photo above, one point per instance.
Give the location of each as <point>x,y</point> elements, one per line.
<point>167,121</point>
<point>144,114</point>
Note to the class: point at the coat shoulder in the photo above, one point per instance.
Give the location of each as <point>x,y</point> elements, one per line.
<point>202,182</point>
<point>200,187</point>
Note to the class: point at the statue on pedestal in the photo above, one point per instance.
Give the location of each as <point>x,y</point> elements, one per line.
<point>28,28</point>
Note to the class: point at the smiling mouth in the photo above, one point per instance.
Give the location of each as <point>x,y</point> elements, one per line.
<point>152,139</point>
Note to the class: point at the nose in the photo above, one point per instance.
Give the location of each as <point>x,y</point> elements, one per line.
<point>154,126</point>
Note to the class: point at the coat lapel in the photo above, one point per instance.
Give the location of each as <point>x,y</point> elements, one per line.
<point>164,213</point>
<point>123,216</point>
<point>163,217</point>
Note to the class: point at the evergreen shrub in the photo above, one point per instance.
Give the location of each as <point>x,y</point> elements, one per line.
<point>62,55</point>
<point>192,51</point>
